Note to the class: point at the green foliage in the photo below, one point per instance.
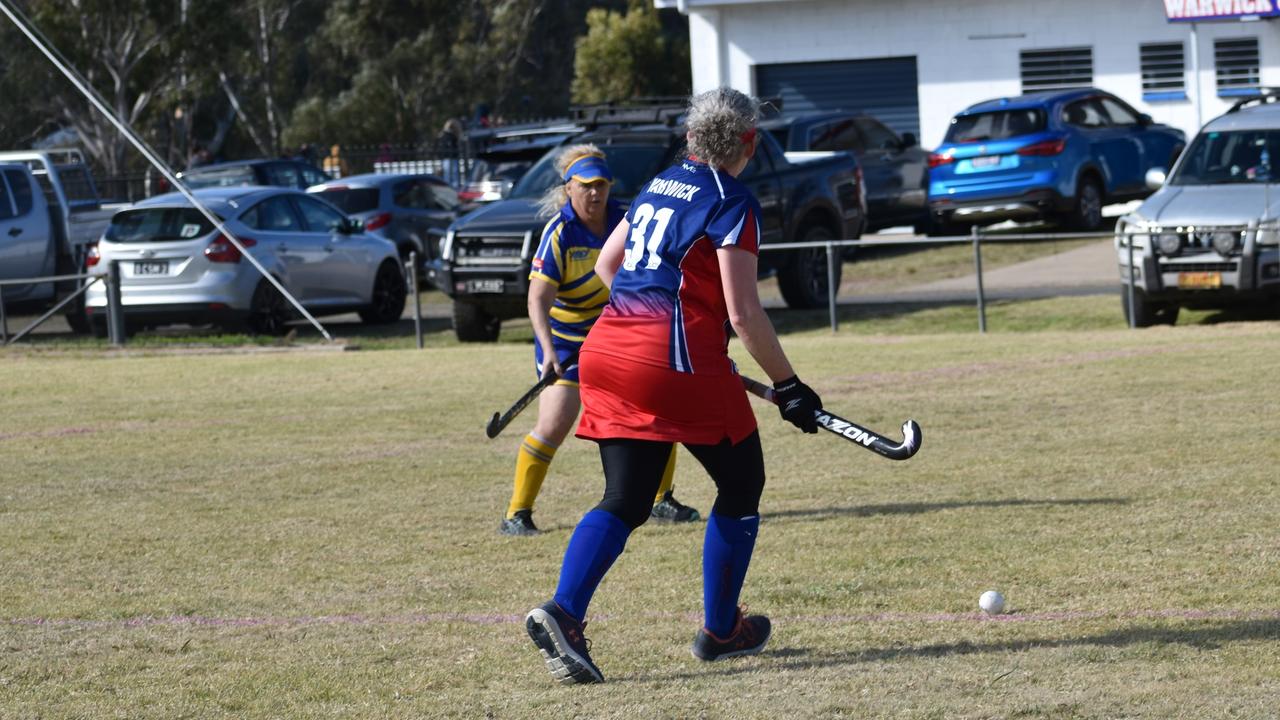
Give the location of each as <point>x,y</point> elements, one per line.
<point>262,77</point>
<point>628,56</point>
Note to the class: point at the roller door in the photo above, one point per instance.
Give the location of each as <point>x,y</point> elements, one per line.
<point>884,88</point>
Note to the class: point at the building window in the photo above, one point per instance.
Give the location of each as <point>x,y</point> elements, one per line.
<point>1163,68</point>
<point>1056,69</point>
<point>1236,60</point>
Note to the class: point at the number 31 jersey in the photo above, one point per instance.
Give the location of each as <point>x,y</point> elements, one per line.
<point>666,305</point>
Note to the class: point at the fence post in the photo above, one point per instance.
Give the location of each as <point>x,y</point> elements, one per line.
<point>977,265</point>
<point>417,298</point>
<point>1132,292</point>
<point>115,311</point>
<point>831,285</point>
<point>4,321</point>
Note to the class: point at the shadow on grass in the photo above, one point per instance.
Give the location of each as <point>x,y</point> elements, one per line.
<point>1211,637</point>
<point>917,508</point>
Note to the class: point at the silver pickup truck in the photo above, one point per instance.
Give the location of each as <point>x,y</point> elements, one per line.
<point>1210,236</point>
<point>50,215</point>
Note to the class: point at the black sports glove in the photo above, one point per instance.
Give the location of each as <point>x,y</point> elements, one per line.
<point>797,403</point>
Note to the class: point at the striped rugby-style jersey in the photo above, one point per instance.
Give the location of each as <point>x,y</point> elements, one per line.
<point>667,307</point>
<point>566,258</point>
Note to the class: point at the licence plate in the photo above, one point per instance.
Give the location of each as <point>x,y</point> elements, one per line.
<point>1200,280</point>
<point>151,267</point>
<point>986,161</point>
<point>485,286</point>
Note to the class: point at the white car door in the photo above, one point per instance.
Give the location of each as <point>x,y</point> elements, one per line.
<point>276,224</point>
<point>347,266</point>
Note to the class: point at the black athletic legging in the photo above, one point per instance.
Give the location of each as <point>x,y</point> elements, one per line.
<point>633,471</point>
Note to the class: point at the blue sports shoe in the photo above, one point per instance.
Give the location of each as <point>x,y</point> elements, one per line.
<point>559,637</point>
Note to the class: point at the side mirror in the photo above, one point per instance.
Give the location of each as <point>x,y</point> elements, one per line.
<point>350,226</point>
<point>1144,120</point>
<point>909,140</point>
<point>1155,178</point>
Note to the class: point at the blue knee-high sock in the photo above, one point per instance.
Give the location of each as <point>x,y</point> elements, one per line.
<point>726,553</point>
<point>597,541</point>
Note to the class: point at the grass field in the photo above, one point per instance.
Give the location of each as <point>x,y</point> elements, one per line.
<point>299,533</point>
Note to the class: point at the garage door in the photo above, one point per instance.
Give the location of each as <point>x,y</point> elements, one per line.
<point>884,88</point>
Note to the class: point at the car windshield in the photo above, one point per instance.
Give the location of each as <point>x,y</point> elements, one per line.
<point>998,125</point>
<point>1234,156</point>
<point>632,165</point>
<point>220,177</point>
<point>157,225</point>
<point>352,200</point>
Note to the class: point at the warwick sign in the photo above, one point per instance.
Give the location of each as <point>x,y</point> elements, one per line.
<point>1209,10</point>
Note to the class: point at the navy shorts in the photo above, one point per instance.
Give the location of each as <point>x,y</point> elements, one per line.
<point>564,348</point>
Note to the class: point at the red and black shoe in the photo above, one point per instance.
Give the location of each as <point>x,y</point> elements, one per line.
<point>750,635</point>
<point>567,652</point>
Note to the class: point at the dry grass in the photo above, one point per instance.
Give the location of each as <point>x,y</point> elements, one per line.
<point>304,534</point>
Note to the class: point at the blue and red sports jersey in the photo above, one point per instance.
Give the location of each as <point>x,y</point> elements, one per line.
<point>666,305</point>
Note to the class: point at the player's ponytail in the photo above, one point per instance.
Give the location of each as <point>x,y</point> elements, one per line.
<point>717,122</point>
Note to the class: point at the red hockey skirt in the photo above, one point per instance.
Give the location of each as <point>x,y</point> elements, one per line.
<point>625,399</point>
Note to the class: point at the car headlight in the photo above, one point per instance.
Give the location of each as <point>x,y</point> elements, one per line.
<point>1268,235</point>
<point>1168,243</point>
<point>1224,241</point>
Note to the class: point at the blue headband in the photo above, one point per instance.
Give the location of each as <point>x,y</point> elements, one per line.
<point>588,168</point>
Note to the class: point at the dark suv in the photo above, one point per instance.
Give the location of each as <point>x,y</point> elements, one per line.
<point>278,173</point>
<point>894,168</point>
<point>484,267</point>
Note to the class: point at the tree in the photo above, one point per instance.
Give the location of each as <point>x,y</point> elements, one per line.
<point>627,56</point>
<point>121,47</point>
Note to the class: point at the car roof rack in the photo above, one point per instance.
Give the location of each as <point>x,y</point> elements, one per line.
<point>662,110</point>
<point>666,110</point>
<point>1265,96</point>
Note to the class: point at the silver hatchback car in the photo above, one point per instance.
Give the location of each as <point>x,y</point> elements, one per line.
<point>175,267</point>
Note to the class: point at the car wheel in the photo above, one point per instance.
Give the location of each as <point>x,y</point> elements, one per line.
<point>387,303</point>
<point>933,226</point>
<point>268,311</point>
<point>472,323</point>
<point>1147,313</point>
<point>1086,216</point>
<point>803,281</point>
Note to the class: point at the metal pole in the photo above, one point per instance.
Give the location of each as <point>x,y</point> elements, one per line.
<point>831,284</point>
<point>4,322</point>
<point>1133,321</point>
<point>977,265</point>
<point>1195,74</point>
<point>417,298</point>
<point>115,312</point>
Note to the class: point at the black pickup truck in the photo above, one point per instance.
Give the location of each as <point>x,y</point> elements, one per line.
<point>813,196</point>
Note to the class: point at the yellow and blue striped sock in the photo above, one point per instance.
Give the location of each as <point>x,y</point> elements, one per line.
<point>532,463</point>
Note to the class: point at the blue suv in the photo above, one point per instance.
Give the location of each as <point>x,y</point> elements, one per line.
<point>1052,155</point>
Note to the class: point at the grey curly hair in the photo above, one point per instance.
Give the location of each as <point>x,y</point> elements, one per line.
<point>556,196</point>
<point>716,121</point>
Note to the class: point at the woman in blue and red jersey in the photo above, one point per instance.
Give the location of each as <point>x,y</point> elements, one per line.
<point>655,371</point>
<point>565,298</point>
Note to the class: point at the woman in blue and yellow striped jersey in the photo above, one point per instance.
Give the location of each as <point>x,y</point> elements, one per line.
<point>565,298</point>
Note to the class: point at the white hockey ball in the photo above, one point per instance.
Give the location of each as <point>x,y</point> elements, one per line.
<point>991,602</point>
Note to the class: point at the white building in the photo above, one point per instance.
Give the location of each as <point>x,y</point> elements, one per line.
<point>914,63</point>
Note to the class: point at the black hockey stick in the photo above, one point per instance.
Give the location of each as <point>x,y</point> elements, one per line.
<point>498,422</point>
<point>851,431</point>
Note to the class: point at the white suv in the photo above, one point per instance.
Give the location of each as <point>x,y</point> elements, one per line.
<point>1210,236</point>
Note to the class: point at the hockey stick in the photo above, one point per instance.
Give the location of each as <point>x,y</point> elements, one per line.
<point>498,422</point>
<point>853,432</point>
